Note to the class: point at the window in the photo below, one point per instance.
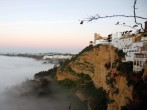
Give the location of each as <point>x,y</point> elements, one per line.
<point>134,62</point>
<point>140,63</point>
<point>137,63</point>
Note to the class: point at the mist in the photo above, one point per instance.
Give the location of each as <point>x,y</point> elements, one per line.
<point>22,97</point>
<point>19,93</point>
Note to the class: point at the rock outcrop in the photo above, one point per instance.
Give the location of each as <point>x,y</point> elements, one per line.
<point>100,63</point>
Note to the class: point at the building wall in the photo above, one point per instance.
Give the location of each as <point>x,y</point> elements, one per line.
<point>131,45</point>
<point>101,41</point>
<point>139,62</point>
<point>121,43</point>
<point>144,47</point>
<point>116,35</point>
<point>130,50</point>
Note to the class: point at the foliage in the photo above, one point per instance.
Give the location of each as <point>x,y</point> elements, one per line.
<point>126,68</point>
<point>116,63</point>
<point>43,74</point>
<point>120,53</point>
<point>85,83</point>
<point>64,63</point>
<point>111,101</point>
<point>69,69</point>
<point>100,100</point>
<point>67,83</point>
<point>110,81</point>
<point>124,108</point>
<point>116,91</point>
<point>86,49</point>
<point>44,83</point>
<point>99,97</point>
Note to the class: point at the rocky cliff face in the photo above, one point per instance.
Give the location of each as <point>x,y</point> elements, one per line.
<point>100,63</point>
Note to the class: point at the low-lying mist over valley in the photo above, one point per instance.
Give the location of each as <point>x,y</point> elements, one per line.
<point>26,97</point>
<point>19,93</point>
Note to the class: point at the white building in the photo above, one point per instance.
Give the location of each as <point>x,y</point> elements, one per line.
<point>131,49</point>
<point>134,45</point>
<point>47,57</point>
<point>139,61</point>
<point>140,58</point>
<point>57,57</point>
<point>120,41</point>
<point>129,43</point>
<point>100,40</point>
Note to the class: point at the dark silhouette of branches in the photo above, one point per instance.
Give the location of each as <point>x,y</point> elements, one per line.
<point>123,24</point>
<point>134,7</point>
<point>97,16</point>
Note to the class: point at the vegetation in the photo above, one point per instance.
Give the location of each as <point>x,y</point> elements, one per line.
<point>120,53</point>
<point>64,63</point>
<point>126,68</point>
<point>116,64</point>
<point>110,81</point>
<point>97,98</point>
<point>100,100</point>
<point>116,91</point>
<point>86,49</point>
<point>69,69</point>
<point>124,108</point>
<point>51,72</point>
<point>67,83</point>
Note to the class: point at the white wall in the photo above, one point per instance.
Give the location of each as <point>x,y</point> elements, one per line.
<point>102,41</point>
<point>139,62</point>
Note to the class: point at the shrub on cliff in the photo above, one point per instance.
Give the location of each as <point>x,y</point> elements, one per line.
<point>86,49</point>
<point>126,68</point>
<point>43,74</point>
<point>68,83</point>
<point>120,53</point>
<point>98,99</point>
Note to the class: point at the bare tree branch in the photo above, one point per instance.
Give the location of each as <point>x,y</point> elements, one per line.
<point>135,18</point>
<point>111,16</point>
<point>133,27</point>
<point>96,17</point>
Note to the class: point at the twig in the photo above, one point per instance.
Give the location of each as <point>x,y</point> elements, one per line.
<point>135,18</point>
<point>97,16</point>
<point>127,26</point>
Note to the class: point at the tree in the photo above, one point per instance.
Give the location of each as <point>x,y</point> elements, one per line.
<point>137,24</point>
<point>91,43</point>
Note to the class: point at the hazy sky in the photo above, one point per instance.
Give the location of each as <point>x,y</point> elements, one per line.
<point>52,25</point>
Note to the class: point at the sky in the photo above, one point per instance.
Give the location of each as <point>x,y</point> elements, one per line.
<point>53,25</point>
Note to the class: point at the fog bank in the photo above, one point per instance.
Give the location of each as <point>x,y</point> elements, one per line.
<point>22,97</point>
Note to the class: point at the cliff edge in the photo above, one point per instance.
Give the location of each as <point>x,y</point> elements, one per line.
<point>101,63</point>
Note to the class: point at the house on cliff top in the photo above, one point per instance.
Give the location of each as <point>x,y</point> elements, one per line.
<point>134,45</point>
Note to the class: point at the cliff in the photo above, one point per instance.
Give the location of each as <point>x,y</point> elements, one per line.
<point>101,80</point>
<point>101,63</point>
